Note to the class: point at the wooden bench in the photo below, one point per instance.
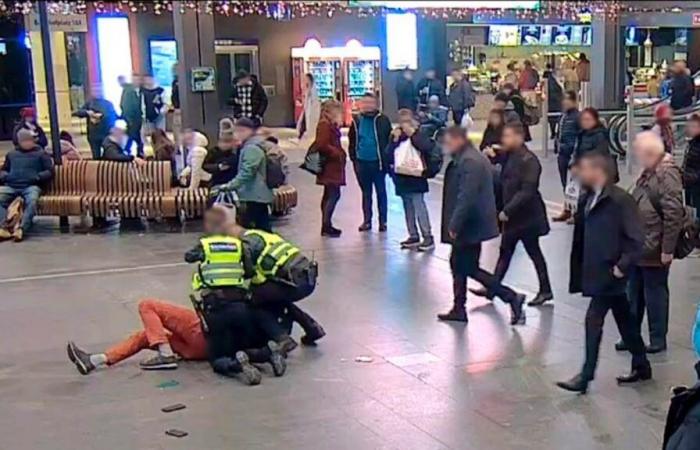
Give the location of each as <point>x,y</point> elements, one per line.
<point>102,187</point>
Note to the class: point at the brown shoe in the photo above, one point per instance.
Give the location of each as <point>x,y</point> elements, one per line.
<point>18,235</point>
<point>5,235</point>
<point>564,216</point>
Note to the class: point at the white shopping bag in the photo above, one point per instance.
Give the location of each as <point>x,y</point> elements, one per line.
<point>408,160</point>
<point>572,193</point>
<point>467,121</point>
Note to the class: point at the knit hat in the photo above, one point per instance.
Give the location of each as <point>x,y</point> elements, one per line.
<point>24,135</point>
<point>27,113</point>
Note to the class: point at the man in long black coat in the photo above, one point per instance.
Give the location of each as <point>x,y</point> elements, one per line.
<point>608,242</point>
<point>524,216</point>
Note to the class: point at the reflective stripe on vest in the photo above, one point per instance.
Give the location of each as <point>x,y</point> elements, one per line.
<point>276,253</point>
<point>222,265</point>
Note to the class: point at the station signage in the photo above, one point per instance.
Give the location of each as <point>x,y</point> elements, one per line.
<point>69,23</point>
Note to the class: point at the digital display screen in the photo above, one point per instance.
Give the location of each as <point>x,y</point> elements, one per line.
<point>163,58</point>
<point>681,37</point>
<point>586,36</point>
<point>401,41</point>
<point>561,35</point>
<point>546,35</point>
<point>530,35</point>
<point>504,35</point>
<point>114,46</point>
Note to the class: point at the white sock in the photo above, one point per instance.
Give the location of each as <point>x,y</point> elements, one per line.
<point>165,350</point>
<point>98,359</point>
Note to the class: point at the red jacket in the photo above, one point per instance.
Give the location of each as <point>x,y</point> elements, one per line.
<point>334,157</point>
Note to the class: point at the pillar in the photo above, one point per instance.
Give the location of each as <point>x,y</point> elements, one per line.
<point>60,73</point>
<point>608,66</point>
<point>194,33</point>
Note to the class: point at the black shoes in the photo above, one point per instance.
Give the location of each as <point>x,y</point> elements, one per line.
<point>159,362</point>
<point>517,316</point>
<point>541,299</point>
<point>364,227</point>
<point>331,232</point>
<point>637,374</point>
<point>482,292</point>
<point>456,314</point>
<point>577,384</point>
<point>410,243</point>
<point>427,245</point>
<point>656,348</point>
<point>620,346</point>
<point>277,360</point>
<point>382,228</point>
<point>80,358</point>
<point>250,374</point>
<point>312,335</point>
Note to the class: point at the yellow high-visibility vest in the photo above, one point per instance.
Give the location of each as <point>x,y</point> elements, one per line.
<point>276,253</point>
<point>222,265</point>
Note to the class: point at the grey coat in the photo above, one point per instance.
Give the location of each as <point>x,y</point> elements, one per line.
<point>468,200</point>
<point>661,185</point>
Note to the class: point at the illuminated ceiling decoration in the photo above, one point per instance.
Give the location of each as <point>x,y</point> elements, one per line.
<point>288,10</point>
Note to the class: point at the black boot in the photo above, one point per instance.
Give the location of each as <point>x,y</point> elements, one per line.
<point>482,292</point>
<point>637,374</point>
<point>312,329</point>
<point>457,314</point>
<point>517,315</point>
<point>620,346</point>
<point>577,384</point>
<point>541,298</point>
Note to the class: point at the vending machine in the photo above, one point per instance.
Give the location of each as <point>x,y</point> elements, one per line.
<point>361,76</point>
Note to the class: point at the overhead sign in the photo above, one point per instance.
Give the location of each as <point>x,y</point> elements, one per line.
<point>69,23</point>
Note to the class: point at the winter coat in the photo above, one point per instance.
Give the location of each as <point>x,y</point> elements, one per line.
<point>334,157</point>
<point>492,136</point>
<point>382,130</point>
<point>251,181</point>
<point>130,104</point>
<point>69,152</point>
<point>461,96</point>
<point>663,186</point>
<point>311,114</point>
<point>522,201</point>
<point>248,100</point>
<point>24,168</point>
<point>519,107</point>
<point>609,235</point>
<point>99,129</point>
<point>568,134</point>
<point>427,88</point>
<point>39,135</point>
<point>682,91</point>
<point>468,201</point>
<point>405,184</point>
<point>406,96</point>
<point>528,79</point>
<point>113,151</point>
<point>153,103</point>
<point>193,175</point>
<point>593,139</point>
<point>555,94</point>
<point>691,171</point>
<point>216,159</point>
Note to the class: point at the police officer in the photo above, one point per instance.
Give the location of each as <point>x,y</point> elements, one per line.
<point>282,276</point>
<point>236,333</point>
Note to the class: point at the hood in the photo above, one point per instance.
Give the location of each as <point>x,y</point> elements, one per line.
<point>200,140</point>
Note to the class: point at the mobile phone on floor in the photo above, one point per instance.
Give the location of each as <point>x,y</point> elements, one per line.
<point>176,433</point>
<point>175,407</point>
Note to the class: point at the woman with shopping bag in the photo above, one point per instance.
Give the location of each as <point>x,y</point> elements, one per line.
<point>406,156</point>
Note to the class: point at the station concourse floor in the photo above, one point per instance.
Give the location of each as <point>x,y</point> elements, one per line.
<point>429,385</point>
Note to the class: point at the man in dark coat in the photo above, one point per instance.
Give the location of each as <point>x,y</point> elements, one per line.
<point>461,97</point>
<point>101,117</point>
<point>682,86</point>
<point>429,86</point>
<point>468,219</point>
<point>406,96</point>
<point>565,143</point>
<point>131,104</point>
<point>524,215</point>
<point>608,242</point>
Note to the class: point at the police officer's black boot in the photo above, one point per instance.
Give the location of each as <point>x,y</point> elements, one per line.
<point>277,360</point>
<point>312,329</point>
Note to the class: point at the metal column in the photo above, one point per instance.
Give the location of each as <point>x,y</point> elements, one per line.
<point>50,81</point>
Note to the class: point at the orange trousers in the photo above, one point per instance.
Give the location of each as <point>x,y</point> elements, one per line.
<point>163,323</point>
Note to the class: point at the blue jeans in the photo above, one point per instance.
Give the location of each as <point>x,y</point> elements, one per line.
<point>370,177</point>
<point>29,194</point>
<point>414,209</point>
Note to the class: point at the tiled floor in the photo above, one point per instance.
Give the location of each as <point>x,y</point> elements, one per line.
<point>430,385</point>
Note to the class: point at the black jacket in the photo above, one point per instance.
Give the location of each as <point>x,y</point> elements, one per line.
<point>111,151</point>
<point>175,93</point>
<point>609,235</point>
<point>682,91</point>
<point>40,136</point>
<point>99,129</point>
<point>382,128</point>
<point>691,165</point>
<point>216,157</point>
<point>427,88</point>
<point>519,107</point>
<point>152,102</point>
<point>522,201</point>
<point>492,136</point>
<point>405,184</point>
<point>555,94</point>
<point>406,94</point>
<point>468,201</point>
<point>24,168</point>
<point>683,420</point>
<point>461,96</point>
<point>568,133</point>
<point>594,139</point>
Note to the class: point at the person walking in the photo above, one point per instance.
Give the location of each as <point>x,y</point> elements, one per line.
<point>659,196</point>
<point>528,78</point>
<point>593,135</point>
<point>332,175</point>
<point>555,96</point>
<point>411,188</point>
<point>524,215</point>
<point>461,97</point>
<point>468,219</point>
<point>663,126</point>
<point>369,135</point>
<point>565,143</point>
<point>583,68</point>
<point>308,121</point>
<point>682,86</point>
<point>494,130</point>
<point>406,96</point>
<point>101,117</point>
<point>429,86</point>
<point>608,241</point>
<point>153,106</point>
<point>131,105</point>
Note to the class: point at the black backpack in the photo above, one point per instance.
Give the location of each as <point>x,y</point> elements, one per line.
<point>689,236</point>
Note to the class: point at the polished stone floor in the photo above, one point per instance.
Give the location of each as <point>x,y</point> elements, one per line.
<point>429,385</point>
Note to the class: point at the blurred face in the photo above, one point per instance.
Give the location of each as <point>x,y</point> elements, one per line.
<point>406,123</point>
<point>499,105</point>
<point>512,140</point>
<point>664,115</point>
<point>214,221</point>
<point>26,144</point>
<point>188,138</point>
<point>368,104</point>
<point>149,81</point>
<point>678,67</point>
<point>590,174</point>
<point>245,80</point>
<point>336,115</point>
<point>648,152</point>
<point>136,80</point>
<point>96,91</point>
<point>430,74</point>
<point>587,121</point>
<point>119,135</point>
<point>494,120</point>
<point>434,103</point>
<point>453,144</point>
<point>226,144</point>
<point>408,75</point>
<point>568,104</point>
<point>456,75</point>
<point>308,82</point>
<point>242,133</point>
<point>121,80</point>
<point>692,129</point>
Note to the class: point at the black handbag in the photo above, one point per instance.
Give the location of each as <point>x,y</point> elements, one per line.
<point>313,161</point>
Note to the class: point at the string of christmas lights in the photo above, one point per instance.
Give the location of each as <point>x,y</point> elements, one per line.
<point>288,10</point>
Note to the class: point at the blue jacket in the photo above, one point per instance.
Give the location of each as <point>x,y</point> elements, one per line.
<point>24,168</point>
<point>568,133</point>
<point>382,128</point>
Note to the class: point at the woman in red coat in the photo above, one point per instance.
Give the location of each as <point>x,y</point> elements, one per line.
<point>332,175</point>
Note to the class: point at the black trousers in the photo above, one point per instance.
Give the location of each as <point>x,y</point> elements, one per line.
<point>457,116</point>
<point>95,143</point>
<point>595,319</point>
<point>533,250</point>
<point>464,262</point>
<point>648,289</point>
<point>254,215</point>
<point>133,131</point>
<point>331,195</point>
<point>372,178</point>
<point>276,296</point>
<point>563,166</point>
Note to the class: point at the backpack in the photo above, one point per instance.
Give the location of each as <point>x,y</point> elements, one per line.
<point>689,236</point>
<point>275,165</point>
<point>684,400</point>
<point>433,161</point>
